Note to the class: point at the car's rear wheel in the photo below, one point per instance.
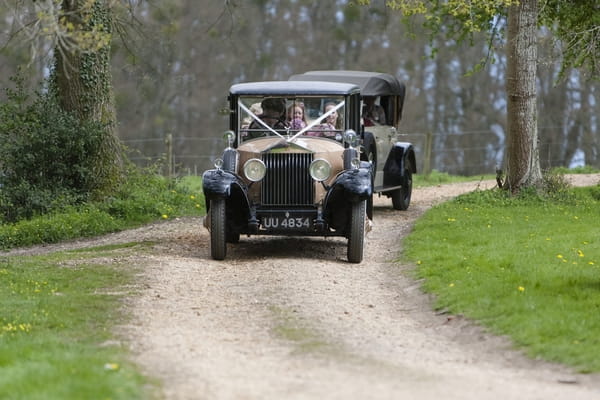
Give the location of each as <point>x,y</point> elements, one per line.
<point>218,245</point>
<point>356,238</point>
<point>401,197</point>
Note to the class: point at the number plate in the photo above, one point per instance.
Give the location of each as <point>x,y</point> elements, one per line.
<point>286,222</point>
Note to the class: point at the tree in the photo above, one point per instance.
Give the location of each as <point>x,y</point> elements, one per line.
<point>461,19</point>
<point>522,150</point>
<point>78,34</point>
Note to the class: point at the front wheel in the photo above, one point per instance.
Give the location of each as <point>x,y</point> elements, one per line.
<point>356,238</point>
<point>401,197</point>
<point>218,245</point>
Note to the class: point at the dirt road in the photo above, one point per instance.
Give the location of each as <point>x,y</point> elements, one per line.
<point>288,318</point>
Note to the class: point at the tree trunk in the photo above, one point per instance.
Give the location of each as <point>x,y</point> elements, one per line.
<point>83,83</point>
<point>523,162</point>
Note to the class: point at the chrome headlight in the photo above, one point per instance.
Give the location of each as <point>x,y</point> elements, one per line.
<point>255,169</point>
<point>320,169</point>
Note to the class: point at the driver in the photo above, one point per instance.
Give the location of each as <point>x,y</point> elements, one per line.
<point>273,110</point>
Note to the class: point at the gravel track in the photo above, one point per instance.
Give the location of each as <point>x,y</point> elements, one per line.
<point>288,318</point>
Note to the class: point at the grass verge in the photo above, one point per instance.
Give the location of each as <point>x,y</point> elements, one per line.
<point>438,178</point>
<point>56,328</point>
<point>527,267</point>
<point>144,198</point>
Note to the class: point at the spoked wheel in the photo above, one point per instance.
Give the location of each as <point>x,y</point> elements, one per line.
<point>218,245</point>
<point>356,238</point>
<point>401,197</point>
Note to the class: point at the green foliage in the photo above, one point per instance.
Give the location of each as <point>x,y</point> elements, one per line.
<point>56,329</point>
<point>457,20</point>
<point>147,196</point>
<point>573,23</point>
<point>575,26</point>
<point>143,197</point>
<point>47,156</point>
<point>526,266</point>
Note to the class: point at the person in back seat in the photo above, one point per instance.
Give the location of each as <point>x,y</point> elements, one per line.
<point>296,116</point>
<point>373,114</point>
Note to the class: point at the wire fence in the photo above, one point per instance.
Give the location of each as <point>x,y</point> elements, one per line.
<point>468,153</point>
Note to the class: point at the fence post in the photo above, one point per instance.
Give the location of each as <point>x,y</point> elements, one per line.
<point>169,146</point>
<point>427,156</point>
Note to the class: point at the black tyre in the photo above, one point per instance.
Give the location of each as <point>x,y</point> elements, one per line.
<point>356,238</point>
<point>218,245</point>
<point>401,197</point>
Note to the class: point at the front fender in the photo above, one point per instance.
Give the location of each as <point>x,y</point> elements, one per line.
<point>217,183</point>
<point>353,185</point>
<point>400,158</point>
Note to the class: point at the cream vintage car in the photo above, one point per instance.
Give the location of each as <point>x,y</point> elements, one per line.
<point>293,165</point>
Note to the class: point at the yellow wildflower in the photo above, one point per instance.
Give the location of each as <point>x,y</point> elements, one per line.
<point>111,366</point>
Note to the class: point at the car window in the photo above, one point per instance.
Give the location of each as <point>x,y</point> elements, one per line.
<point>290,116</point>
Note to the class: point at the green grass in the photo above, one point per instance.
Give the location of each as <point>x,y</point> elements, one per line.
<point>58,313</point>
<point>586,169</point>
<point>527,267</point>
<point>56,328</point>
<point>142,199</point>
<point>438,178</point>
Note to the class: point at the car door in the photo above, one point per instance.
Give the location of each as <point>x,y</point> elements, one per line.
<point>385,136</point>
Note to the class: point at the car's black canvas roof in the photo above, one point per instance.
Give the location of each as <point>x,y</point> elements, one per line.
<point>284,88</point>
<point>370,83</point>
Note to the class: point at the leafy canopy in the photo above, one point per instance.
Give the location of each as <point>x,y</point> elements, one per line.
<point>575,25</point>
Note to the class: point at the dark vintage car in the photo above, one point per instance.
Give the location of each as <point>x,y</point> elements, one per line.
<point>300,162</point>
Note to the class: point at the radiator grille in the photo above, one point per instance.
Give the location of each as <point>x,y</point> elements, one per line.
<point>287,181</point>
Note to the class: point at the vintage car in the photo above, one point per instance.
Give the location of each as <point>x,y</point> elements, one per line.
<point>293,164</point>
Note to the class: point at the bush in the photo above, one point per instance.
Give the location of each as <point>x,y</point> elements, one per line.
<point>46,155</point>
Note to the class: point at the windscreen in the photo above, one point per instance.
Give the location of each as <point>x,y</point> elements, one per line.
<point>291,117</point>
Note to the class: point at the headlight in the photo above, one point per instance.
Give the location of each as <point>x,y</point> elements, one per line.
<point>320,169</point>
<point>255,169</point>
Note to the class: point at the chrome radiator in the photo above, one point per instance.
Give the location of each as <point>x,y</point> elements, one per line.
<point>287,181</point>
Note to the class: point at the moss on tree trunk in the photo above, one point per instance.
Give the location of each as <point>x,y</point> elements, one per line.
<point>82,79</point>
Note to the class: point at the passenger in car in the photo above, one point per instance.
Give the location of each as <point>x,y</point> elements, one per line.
<point>256,109</point>
<point>296,116</point>
<point>372,113</point>
<point>329,126</point>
